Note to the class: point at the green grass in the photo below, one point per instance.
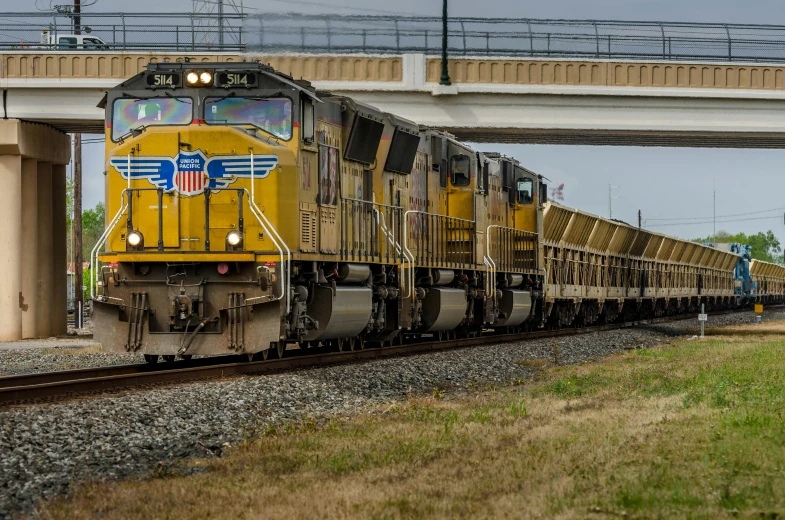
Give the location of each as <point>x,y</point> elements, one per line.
<point>694,429</point>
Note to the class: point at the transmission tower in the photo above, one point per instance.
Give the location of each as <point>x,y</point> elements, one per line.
<point>210,21</point>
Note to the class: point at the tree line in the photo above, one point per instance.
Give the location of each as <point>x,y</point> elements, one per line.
<point>92,224</point>
<point>765,246</point>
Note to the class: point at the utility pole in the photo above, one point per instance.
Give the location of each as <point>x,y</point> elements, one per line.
<point>610,199</point>
<point>78,278</point>
<point>445,79</point>
<point>78,260</point>
<point>77,18</point>
<point>714,212</point>
<point>639,219</point>
<point>220,24</point>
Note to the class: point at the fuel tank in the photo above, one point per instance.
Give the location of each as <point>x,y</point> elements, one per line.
<point>515,306</point>
<point>443,309</point>
<point>340,314</point>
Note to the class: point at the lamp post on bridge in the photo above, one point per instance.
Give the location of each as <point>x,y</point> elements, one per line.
<point>445,79</point>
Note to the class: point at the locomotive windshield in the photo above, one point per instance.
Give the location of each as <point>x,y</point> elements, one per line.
<point>132,113</point>
<point>274,116</point>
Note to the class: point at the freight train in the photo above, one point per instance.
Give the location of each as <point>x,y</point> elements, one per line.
<point>249,213</point>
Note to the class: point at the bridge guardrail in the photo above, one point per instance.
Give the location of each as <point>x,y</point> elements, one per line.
<point>521,37</point>
<point>467,36</point>
<point>193,32</point>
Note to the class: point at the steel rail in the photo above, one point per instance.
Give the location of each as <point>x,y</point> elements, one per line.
<point>62,384</point>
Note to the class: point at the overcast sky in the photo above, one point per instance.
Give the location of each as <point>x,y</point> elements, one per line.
<point>661,182</point>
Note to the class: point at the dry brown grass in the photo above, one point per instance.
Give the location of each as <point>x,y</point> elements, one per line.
<point>66,351</point>
<point>533,363</point>
<point>693,429</point>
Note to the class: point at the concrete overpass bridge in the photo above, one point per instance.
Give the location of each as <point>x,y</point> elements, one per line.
<point>492,99</point>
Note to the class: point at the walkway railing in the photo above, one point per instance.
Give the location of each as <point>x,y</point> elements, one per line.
<point>522,37</point>
<point>440,241</point>
<point>467,36</point>
<point>370,231</point>
<point>512,250</point>
<point>196,32</point>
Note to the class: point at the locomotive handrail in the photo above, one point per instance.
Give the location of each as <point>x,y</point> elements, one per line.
<point>491,263</point>
<point>365,230</point>
<point>102,241</point>
<point>256,212</point>
<point>407,259</point>
<point>406,234</point>
<point>259,214</point>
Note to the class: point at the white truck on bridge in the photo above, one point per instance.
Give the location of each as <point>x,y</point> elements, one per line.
<point>70,42</point>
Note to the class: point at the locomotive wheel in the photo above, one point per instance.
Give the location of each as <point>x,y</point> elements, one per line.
<point>186,357</point>
<point>280,349</point>
<point>350,343</point>
<point>168,358</point>
<point>398,339</point>
<point>258,356</point>
<point>151,358</point>
<point>360,343</point>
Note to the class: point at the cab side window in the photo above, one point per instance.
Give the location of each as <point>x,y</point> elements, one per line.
<point>525,193</point>
<point>460,170</point>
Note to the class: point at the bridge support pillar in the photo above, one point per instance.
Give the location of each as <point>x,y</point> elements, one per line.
<point>43,263</point>
<point>29,248</point>
<point>59,252</point>
<point>10,247</point>
<point>32,229</point>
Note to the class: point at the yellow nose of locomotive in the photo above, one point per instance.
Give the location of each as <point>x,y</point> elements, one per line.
<point>192,191</point>
<point>197,246</point>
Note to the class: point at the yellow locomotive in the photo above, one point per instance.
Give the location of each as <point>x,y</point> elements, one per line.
<point>249,212</point>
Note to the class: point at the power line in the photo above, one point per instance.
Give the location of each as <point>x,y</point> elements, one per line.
<point>778,217</point>
<point>331,6</point>
<point>718,216</point>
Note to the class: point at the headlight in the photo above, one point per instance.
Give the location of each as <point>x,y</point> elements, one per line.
<point>234,238</point>
<point>192,78</point>
<point>206,78</point>
<point>134,238</point>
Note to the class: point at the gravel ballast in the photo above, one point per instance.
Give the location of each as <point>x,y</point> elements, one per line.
<point>48,447</point>
<point>33,360</point>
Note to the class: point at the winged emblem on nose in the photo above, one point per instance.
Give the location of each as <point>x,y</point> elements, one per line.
<point>190,173</point>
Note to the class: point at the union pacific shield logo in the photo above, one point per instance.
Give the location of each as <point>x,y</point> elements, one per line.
<point>190,178</point>
<point>190,173</point>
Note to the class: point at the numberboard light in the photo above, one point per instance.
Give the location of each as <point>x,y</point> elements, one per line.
<point>157,80</point>
<point>235,79</point>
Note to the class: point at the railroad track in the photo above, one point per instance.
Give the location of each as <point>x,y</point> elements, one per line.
<point>50,385</point>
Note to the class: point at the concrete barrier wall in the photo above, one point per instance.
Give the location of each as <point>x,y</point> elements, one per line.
<point>610,74</point>
<point>362,68</point>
